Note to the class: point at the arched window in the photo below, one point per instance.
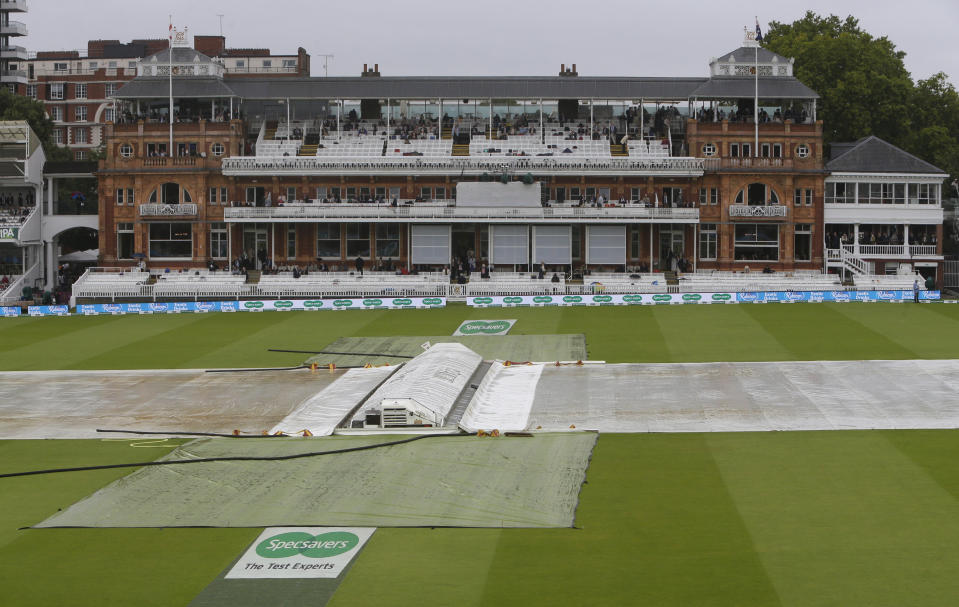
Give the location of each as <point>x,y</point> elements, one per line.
<point>757,194</point>
<point>170,193</point>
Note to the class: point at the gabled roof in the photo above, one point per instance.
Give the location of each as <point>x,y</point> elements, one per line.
<point>730,87</point>
<point>745,54</point>
<point>183,88</point>
<point>873,155</point>
<point>180,55</point>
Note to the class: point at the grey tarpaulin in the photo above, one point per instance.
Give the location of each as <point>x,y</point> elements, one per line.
<point>73,404</point>
<point>461,481</point>
<point>722,397</point>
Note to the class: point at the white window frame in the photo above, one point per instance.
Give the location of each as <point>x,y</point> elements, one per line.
<point>80,90</point>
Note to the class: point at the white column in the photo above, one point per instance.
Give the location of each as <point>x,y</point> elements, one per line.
<point>855,239</point>
<point>490,118</point>
<point>542,135</point>
<point>50,187</point>
<point>905,239</point>
<point>650,247</point>
<point>229,246</point>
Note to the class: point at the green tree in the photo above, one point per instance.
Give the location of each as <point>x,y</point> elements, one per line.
<point>17,107</point>
<point>863,83</point>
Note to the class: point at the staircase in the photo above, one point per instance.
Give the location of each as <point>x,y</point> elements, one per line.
<point>308,149</point>
<point>618,150</point>
<point>447,132</point>
<point>847,260</point>
<point>253,277</point>
<point>672,282</point>
<point>270,130</point>
<point>461,149</point>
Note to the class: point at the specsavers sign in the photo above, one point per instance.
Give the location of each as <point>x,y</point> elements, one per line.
<point>485,327</point>
<point>300,552</point>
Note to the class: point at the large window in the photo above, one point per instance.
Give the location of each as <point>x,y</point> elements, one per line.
<point>291,242</point>
<point>328,241</point>
<point>218,241</point>
<point>387,240</point>
<point>171,240</point>
<point>757,194</point>
<point>170,193</point>
<point>707,241</point>
<point>802,248</point>
<point>923,193</point>
<point>80,113</point>
<point>110,89</point>
<point>124,240</point>
<point>56,91</point>
<point>81,135</point>
<point>357,240</point>
<point>80,90</point>
<point>757,242</point>
<point>56,113</point>
<point>841,192</point>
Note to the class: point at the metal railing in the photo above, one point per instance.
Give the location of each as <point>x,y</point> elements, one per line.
<point>168,210</point>
<point>434,212</point>
<point>473,166</point>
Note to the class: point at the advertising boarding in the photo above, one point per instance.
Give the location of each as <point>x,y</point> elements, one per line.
<point>269,305</point>
<point>300,552</point>
<point>604,299</point>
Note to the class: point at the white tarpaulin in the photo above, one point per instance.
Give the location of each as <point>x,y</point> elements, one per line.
<point>433,379</point>
<point>606,244</point>
<point>503,400</point>
<point>721,397</point>
<point>322,412</point>
<point>509,244</point>
<point>552,245</point>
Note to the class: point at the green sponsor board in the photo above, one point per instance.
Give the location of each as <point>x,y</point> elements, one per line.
<point>300,552</point>
<point>721,296</point>
<point>482,301</point>
<point>313,303</point>
<point>372,302</point>
<point>692,297</point>
<point>485,327</point>
<point>662,298</point>
<point>402,301</point>
<point>433,301</point>
<point>602,298</point>
<point>633,298</point>
<point>283,304</point>
<point>513,300</point>
<point>253,305</point>
<point>543,299</point>
<point>342,303</point>
<point>9,233</point>
<point>572,299</point>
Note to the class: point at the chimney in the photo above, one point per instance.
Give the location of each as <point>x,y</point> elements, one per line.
<point>563,71</point>
<point>371,73</point>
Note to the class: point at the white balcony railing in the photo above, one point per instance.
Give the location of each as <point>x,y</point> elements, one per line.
<point>425,165</point>
<point>167,210</point>
<point>892,250</point>
<point>385,212</point>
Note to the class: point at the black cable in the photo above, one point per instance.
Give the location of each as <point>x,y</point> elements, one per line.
<point>341,353</point>
<point>238,458</point>
<point>256,369</point>
<point>175,433</point>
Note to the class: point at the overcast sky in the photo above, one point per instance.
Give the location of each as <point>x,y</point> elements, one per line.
<point>495,37</point>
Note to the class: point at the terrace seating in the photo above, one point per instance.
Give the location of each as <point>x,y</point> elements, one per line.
<point>902,282</point>
<point>117,283</point>
<point>712,281</point>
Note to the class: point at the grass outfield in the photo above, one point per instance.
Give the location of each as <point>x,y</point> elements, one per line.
<point>847,331</point>
<point>806,518</point>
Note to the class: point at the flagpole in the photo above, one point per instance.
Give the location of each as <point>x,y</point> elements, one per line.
<point>170,149</point>
<point>756,95</point>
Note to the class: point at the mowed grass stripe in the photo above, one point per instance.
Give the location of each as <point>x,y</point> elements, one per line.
<point>830,331</point>
<point>630,334</point>
<point>420,567</point>
<point>923,330</point>
<point>65,343</point>
<point>717,333</point>
<point>656,526</point>
<point>843,518</point>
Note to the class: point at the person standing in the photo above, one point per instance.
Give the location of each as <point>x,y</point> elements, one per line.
<point>359,264</point>
<point>915,290</point>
